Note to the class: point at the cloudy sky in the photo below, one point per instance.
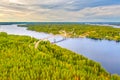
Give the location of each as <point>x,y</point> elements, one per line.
<point>60,10</point>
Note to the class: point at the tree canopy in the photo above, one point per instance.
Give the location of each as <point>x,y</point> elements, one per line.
<point>19,60</point>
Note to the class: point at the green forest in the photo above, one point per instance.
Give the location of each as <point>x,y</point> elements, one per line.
<point>20,60</point>
<point>79,30</point>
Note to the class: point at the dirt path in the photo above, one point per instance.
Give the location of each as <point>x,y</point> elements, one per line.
<point>37,43</point>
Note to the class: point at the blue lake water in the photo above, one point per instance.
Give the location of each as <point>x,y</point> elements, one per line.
<point>103,51</point>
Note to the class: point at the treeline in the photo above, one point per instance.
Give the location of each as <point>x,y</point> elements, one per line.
<point>19,60</point>
<point>79,30</point>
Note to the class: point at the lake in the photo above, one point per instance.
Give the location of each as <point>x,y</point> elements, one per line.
<point>103,51</point>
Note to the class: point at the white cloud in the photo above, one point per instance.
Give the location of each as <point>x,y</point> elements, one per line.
<point>45,10</point>
<point>88,14</point>
<point>36,1</point>
<point>102,11</point>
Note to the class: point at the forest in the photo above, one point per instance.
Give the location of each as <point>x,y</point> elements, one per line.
<point>96,32</point>
<point>20,60</point>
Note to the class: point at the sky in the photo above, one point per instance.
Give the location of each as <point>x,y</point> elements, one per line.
<point>59,10</point>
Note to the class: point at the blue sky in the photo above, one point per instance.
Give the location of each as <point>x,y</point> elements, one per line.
<point>60,10</point>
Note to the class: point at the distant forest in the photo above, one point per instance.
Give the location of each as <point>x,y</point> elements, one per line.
<point>79,30</point>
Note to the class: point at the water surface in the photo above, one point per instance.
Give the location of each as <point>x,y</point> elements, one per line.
<point>105,52</point>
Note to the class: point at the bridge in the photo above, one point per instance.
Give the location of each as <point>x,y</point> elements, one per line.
<point>54,40</point>
<point>63,33</point>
